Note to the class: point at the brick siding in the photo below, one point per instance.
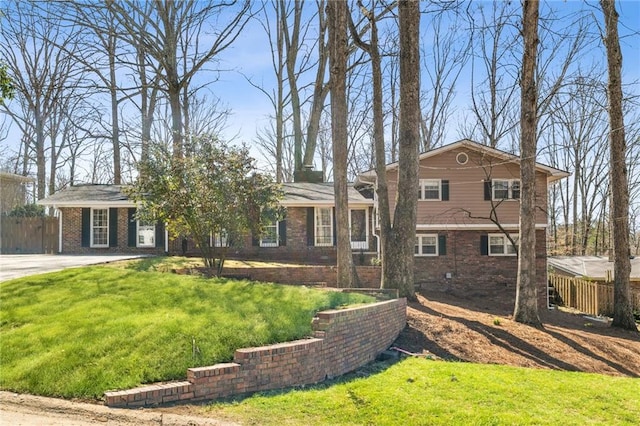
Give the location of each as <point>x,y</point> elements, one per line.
<point>474,274</point>
<point>72,235</point>
<point>296,249</point>
<point>343,340</point>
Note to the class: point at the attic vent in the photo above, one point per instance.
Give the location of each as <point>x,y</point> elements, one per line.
<point>462,158</point>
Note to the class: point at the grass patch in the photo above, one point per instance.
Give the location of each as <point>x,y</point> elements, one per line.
<point>422,392</point>
<point>83,331</point>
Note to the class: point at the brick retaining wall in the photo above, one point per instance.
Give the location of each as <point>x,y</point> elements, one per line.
<point>369,276</point>
<point>343,340</point>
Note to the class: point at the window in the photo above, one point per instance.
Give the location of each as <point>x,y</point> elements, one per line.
<point>99,227</point>
<point>499,245</point>
<point>146,234</point>
<point>270,236</point>
<point>429,189</point>
<point>324,226</point>
<point>426,245</point>
<point>504,189</point>
<point>219,239</point>
<point>359,229</point>
<point>462,158</point>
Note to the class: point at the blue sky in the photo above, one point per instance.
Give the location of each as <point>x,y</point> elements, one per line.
<point>250,56</point>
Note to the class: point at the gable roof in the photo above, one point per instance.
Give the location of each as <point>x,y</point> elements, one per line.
<point>305,194</point>
<point>552,173</point>
<point>590,266</point>
<point>299,194</point>
<point>89,195</point>
<point>16,178</point>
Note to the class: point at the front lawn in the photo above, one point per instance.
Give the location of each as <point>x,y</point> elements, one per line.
<point>424,392</point>
<point>81,332</point>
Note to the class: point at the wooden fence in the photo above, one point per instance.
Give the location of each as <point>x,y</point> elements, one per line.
<point>20,235</point>
<point>590,297</point>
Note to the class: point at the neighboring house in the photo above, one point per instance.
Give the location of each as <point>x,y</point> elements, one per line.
<point>597,268</point>
<point>100,218</point>
<point>13,191</point>
<point>458,247</point>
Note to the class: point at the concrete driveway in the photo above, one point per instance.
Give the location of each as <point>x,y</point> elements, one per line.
<point>20,265</point>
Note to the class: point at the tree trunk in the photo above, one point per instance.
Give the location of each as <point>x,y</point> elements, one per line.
<point>622,309</point>
<point>526,307</point>
<point>337,11</point>
<point>399,256</point>
<point>115,124</point>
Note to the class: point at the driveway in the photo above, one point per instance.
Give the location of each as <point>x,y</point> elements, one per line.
<point>20,265</point>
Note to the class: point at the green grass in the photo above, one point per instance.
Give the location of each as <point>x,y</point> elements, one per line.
<point>423,392</point>
<point>81,332</point>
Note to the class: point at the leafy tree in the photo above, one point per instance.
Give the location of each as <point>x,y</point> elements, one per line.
<point>6,88</point>
<point>214,191</point>
<point>28,210</point>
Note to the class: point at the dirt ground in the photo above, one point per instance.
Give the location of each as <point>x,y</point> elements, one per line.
<point>439,325</point>
<point>452,327</point>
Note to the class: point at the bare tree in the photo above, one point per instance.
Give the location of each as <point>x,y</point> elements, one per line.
<point>622,309</point>
<point>172,25</point>
<point>443,62</point>
<point>526,307</point>
<point>337,14</point>
<point>43,74</point>
<point>400,258</point>
<point>493,58</point>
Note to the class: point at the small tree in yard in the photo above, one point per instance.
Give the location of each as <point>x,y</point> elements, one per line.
<point>214,191</point>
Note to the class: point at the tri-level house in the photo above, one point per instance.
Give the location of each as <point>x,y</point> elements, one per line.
<point>468,217</point>
<point>466,235</point>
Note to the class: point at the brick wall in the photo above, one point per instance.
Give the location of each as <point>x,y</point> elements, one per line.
<point>325,275</point>
<point>296,249</point>
<point>343,340</point>
<point>474,274</point>
<point>72,235</point>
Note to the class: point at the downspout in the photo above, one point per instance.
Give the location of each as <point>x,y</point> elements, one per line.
<point>166,239</point>
<point>59,211</point>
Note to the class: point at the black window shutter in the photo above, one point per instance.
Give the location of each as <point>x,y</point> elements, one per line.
<point>86,227</point>
<point>333,228</point>
<point>445,190</point>
<point>442,245</point>
<point>282,232</point>
<point>255,240</point>
<point>515,193</point>
<point>160,234</point>
<point>487,190</point>
<point>132,227</point>
<point>310,227</point>
<point>113,227</point>
<point>484,245</point>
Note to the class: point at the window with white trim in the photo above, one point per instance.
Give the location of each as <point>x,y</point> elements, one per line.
<point>99,227</point>
<point>505,189</point>
<point>359,229</point>
<point>270,235</point>
<point>324,226</point>
<point>429,189</point>
<point>426,245</point>
<point>219,239</point>
<point>146,235</point>
<point>499,245</point>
